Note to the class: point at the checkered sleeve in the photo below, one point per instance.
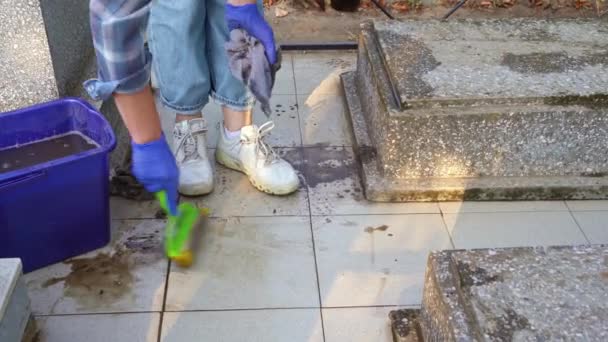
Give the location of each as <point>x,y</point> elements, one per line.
<point>123,62</point>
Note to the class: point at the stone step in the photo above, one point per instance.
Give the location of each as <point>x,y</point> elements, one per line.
<point>516,294</point>
<point>15,310</point>
<point>481,110</point>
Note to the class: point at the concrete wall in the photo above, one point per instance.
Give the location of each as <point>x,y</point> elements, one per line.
<point>69,39</point>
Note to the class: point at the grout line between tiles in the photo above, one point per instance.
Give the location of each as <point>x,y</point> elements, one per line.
<point>97,313</point>
<point>590,211</point>
<point>506,212</point>
<point>379,214</point>
<point>246,309</point>
<point>585,210</point>
<point>401,306</point>
<point>165,295</point>
<point>406,306</point>
<point>284,216</point>
<point>293,75</point>
<point>445,226</point>
<point>300,132</point>
<point>314,253</point>
<point>579,226</point>
<point>160,327</point>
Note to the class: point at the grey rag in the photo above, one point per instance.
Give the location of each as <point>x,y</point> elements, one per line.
<point>249,64</point>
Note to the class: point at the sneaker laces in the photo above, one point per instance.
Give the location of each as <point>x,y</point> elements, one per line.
<point>262,147</point>
<point>188,142</point>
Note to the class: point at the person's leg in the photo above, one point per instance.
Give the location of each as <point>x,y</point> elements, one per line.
<point>176,35</point>
<point>234,120</point>
<point>241,145</point>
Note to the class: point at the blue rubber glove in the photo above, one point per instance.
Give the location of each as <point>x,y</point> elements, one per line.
<point>155,168</point>
<point>248,18</point>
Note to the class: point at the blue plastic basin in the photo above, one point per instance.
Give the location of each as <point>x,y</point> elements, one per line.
<point>60,208</point>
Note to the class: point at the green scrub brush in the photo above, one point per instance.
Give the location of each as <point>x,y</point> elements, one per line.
<point>179,229</point>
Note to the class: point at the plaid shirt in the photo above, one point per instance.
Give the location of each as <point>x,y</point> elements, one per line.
<point>123,63</point>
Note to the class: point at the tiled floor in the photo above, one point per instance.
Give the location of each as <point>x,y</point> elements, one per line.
<point>320,265</point>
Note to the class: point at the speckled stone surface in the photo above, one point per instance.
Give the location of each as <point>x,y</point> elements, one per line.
<point>405,326</point>
<point>517,294</point>
<point>473,59</point>
<point>443,316</point>
<point>381,187</point>
<point>457,102</point>
<point>25,60</point>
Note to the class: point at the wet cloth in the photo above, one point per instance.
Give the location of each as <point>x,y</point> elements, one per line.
<point>248,63</point>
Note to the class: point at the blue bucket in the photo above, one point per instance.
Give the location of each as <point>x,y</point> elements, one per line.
<point>60,208</point>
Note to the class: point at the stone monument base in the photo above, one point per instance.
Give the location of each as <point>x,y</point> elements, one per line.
<point>511,294</point>
<point>460,110</point>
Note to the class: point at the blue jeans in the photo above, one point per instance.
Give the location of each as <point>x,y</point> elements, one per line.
<point>186,39</point>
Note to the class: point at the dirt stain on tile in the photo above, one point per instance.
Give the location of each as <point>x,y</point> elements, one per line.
<point>144,243</point>
<point>327,165</point>
<point>371,231</point>
<point>160,214</point>
<point>108,277</point>
<point>294,157</point>
<point>381,228</point>
<point>381,287</point>
<point>105,278</point>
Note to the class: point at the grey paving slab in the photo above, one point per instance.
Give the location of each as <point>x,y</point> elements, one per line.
<point>298,325</point>
<point>248,263</point>
<point>518,229</point>
<point>373,260</point>
<point>594,224</point>
<point>141,327</point>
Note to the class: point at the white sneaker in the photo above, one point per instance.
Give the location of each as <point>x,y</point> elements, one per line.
<point>190,150</point>
<point>251,155</point>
